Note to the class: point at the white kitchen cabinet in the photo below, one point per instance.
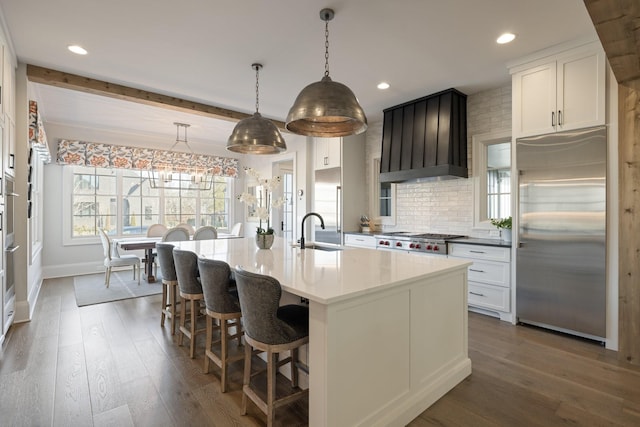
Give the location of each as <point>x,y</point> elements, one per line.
<point>560,92</point>
<point>360,240</point>
<point>489,278</point>
<point>327,153</point>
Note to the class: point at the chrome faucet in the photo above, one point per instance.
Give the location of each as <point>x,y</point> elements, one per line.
<point>302,226</point>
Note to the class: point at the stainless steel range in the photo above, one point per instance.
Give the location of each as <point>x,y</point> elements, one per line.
<point>428,243</point>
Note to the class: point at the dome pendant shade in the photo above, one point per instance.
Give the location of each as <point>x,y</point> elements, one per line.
<point>327,109</point>
<point>256,135</point>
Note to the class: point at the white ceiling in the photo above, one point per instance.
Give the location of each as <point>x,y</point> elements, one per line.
<point>202,50</point>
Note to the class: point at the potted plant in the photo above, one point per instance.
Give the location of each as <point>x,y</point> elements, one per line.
<point>504,225</point>
<point>264,203</point>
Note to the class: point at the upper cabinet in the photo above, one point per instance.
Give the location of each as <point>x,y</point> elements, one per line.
<point>558,92</point>
<point>327,154</point>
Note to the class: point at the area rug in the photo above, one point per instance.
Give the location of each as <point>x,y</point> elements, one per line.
<point>90,289</point>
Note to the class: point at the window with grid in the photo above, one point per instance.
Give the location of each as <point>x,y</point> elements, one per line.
<point>123,202</point>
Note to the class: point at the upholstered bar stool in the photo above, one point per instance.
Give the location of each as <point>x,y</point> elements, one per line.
<point>186,263</point>
<point>272,329</point>
<point>222,304</point>
<point>169,284</point>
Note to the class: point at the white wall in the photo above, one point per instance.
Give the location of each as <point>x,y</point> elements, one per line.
<point>446,206</point>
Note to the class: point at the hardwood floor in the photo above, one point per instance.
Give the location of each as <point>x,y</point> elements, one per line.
<point>112,364</point>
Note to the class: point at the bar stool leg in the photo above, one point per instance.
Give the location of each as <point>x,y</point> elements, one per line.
<point>294,367</point>
<point>223,355</point>
<point>272,369</point>
<point>164,303</point>
<point>173,297</point>
<point>207,346</point>
<point>247,375</point>
<point>183,319</point>
<point>192,329</point>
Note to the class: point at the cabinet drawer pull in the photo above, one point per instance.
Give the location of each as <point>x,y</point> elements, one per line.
<point>559,117</point>
<point>553,119</point>
<point>476,294</point>
<point>476,271</point>
<point>477,252</point>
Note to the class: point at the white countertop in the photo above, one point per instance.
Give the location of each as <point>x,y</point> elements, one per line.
<point>322,276</point>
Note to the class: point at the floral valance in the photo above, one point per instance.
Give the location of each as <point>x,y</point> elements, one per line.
<point>71,152</point>
<point>37,136</point>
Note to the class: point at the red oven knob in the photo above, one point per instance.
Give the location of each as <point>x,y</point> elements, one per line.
<point>386,243</point>
<point>435,248</point>
<point>398,244</point>
<point>418,246</point>
<point>412,245</point>
<point>381,242</point>
<point>428,247</point>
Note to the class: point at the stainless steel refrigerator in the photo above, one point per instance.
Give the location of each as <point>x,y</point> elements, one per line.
<point>328,203</point>
<point>562,232</point>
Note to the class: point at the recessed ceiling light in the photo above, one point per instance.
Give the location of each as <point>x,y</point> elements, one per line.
<point>383,85</point>
<point>79,50</point>
<point>505,38</point>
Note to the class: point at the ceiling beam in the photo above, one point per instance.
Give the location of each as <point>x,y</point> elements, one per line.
<point>99,87</point>
<point>618,25</point>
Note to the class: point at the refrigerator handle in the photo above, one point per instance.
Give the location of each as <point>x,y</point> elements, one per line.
<point>338,227</point>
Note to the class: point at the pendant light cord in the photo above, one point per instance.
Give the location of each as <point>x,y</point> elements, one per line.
<point>326,48</point>
<point>257,67</point>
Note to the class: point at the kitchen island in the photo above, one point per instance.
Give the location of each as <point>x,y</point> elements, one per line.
<point>387,330</point>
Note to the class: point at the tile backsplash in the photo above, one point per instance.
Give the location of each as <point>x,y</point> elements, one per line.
<point>446,206</point>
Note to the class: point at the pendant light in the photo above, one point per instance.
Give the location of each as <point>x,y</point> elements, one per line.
<point>326,108</point>
<point>255,134</point>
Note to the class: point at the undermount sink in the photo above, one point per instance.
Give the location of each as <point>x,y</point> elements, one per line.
<point>327,248</point>
<point>322,248</point>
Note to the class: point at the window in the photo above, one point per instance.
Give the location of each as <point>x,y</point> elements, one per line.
<point>492,171</point>
<point>123,202</point>
<point>383,198</point>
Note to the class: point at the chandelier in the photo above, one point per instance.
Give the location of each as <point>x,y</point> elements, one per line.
<point>185,173</point>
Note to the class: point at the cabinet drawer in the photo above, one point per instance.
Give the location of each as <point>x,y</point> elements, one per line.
<point>491,272</point>
<point>487,296</point>
<point>360,241</point>
<point>492,253</point>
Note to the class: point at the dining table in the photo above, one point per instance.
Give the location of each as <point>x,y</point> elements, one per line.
<point>148,244</point>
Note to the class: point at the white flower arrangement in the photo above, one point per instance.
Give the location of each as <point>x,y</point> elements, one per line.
<point>265,203</point>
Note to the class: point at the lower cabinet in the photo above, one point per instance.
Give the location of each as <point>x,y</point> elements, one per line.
<point>489,278</point>
<point>359,240</point>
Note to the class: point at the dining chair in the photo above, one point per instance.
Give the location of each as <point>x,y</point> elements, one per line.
<point>187,227</point>
<point>222,304</point>
<point>113,259</point>
<point>236,229</point>
<point>205,232</point>
<point>270,328</point>
<point>187,272</point>
<point>156,230</point>
<point>175,234</point>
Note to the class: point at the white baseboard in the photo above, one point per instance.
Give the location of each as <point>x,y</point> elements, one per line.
<point>66,270</point>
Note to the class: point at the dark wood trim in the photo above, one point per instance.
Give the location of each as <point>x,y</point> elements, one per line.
<point>112,90</point>
<point>617,24</point>
<point>629,218</point>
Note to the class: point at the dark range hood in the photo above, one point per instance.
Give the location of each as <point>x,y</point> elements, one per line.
<point>425,139</point>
